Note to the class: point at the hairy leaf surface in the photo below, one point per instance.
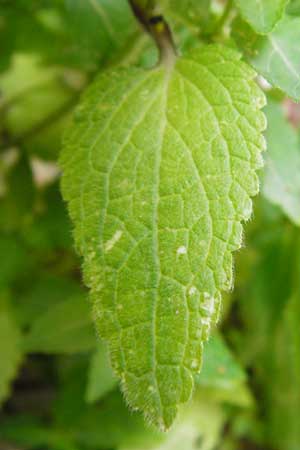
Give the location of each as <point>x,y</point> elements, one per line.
<point>262,15</point>
<point>159,167</point>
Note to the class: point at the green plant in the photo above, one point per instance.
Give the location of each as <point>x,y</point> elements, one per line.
<point>160,160</point>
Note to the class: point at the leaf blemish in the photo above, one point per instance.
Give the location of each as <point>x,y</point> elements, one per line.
<point>112,242</point>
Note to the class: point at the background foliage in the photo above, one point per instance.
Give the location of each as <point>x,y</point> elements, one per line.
<point>56,386</point>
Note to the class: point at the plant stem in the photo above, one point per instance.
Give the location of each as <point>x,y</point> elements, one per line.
<point>220,23</point>
<point>156,26</point>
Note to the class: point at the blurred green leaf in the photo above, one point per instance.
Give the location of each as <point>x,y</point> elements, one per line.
<point>17,200</point>
<point>220,368</point>
<point>101,379</point>
<point>100,29</point>
<point>64,328</point>
<point>41,295</point>
<point>294,8</point>
<point>262,15</point>
<point>198,428</point>
<point>16,260</point>
<point>70,405</point>
<point>281,179</point>
<point>10,353</point>
<point>33,434</point>
<point>282,389</point>
<point>275,56</point>
<point>20,30</point>
<point>33,95</point>
<point>50,227</point>
<point>189,12</point>
<point>83,33</point>
<point>269,341</point>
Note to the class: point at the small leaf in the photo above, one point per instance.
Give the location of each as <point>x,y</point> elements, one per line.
<point>65,328</point>
<point>220,369</point>
<point>10,354</point>
<point>275,56</point>
<point>159,167</point>
<point>190,12</point>
<point>281,180</point>
<point>101,379</point>
<point>262,15</point>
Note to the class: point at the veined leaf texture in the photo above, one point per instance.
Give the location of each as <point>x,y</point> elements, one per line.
<point>159,170</point>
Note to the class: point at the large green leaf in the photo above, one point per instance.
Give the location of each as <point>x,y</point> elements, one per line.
<point>275,56</point>
<point>159,167</point>
<point>262,15</point>
<point>282,173</point>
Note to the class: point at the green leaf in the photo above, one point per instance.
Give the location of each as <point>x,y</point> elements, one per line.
<point>222,377</point>
<point>220,369</point>
<point>65,328</point>
<point>294,8</point>
<point>70,404</point>
<point>83,33</point>
<point>159,167</point>
<point>10,354</point>
<point>198,428</point>
<point>101,30</point>
<point>189,12</point>
<point>262,15</point>
<point>31,94</point>
<point>43,294</point>
<point>32,433</point>
<point>17,200</point>
<point>51,228</point>
<point>20,30</point>
<point>101,379</point>
<point>284,410</point>
<point>275,56</point>
<point>281,179</point>
<point>16,259</point>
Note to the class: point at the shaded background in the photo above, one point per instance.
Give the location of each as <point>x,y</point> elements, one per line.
<point>57,391</point>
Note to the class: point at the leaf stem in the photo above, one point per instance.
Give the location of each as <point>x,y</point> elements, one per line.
<point>222,20</point>
<point>157,27</point>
